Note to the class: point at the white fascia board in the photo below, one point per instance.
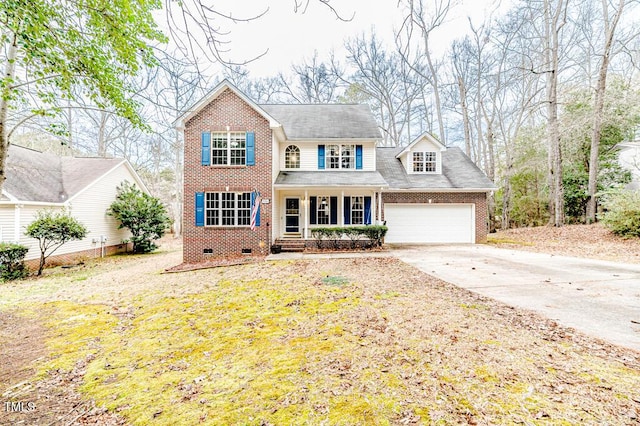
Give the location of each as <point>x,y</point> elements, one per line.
<point>213,94</point>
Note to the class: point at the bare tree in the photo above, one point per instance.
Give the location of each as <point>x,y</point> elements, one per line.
<point>610,24</point>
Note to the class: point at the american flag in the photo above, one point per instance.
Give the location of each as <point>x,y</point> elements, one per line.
<point>254,210</point>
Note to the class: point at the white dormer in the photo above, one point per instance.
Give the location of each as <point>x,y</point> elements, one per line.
<point>423,155</point>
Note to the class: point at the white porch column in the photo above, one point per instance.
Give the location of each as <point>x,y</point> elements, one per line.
<point>380,207</point>
<point>305,230</point>
<point>373,208</point>
<point>341,203</point>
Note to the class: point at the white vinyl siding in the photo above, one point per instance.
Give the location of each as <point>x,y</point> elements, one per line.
<point>309,155</point>
<point>89,207</point>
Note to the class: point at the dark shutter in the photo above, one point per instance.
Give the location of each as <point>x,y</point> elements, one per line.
<point>367,210</point>
<point>206,148</point>
<point>313,207</point>
<point>333,202</point>
<point>347,210</point>
<point>320,157</point>
<point>359,157</point>
<point>199,208</point>
<point>251,148</point>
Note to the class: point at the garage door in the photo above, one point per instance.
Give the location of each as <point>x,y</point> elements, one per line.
<point>430,223</point>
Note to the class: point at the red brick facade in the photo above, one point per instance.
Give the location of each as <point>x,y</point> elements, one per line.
<point>226,110</point>
<point>477,198</point>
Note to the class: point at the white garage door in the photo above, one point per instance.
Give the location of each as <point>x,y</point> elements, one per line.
<point>430,223</point>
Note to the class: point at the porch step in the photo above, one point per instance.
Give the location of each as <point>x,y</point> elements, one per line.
<point>290,245</point>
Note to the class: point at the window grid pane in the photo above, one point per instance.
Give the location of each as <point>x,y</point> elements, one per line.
<point>238,149</point>
<point>212,209</point>
<point>357,210</point>
<point>429,161</point>
<point>333,156</point>
<point>418,161</point>
<point>292,157</point>
<point>323,210</point>
<point>219,149</point>
<point>244,209</point>
<point>348,153</point>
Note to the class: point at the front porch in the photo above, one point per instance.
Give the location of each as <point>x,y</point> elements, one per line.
<point>297,213</point>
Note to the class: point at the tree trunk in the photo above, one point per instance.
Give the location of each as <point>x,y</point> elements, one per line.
<point>5,96</point>
<point>556,190</point>
<point>465,116</point>
<point>598,109</point>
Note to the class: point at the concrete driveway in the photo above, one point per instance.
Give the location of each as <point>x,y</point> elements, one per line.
<point>599,298</point>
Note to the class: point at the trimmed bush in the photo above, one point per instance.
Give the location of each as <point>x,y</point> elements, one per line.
<point>373,233</point>
<point>12,261</point>
<point>622,213</point>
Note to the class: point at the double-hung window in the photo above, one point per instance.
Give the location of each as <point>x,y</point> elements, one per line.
<point>341,156</point>
<point>228,149</point>
<point>324,210</point>
<point>227,208</point>
<point>424,162</point>
<point>357,210</point>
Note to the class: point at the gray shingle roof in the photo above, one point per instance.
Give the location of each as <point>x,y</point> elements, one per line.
<point>330,178</point>
<point>458,172</point>
<point>37,176</point>
<point>329,121</point>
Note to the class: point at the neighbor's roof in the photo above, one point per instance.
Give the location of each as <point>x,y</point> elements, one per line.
<point>325,121</point>
<point>458,172</point>
<point>330,178</point>
<point>41,177</point>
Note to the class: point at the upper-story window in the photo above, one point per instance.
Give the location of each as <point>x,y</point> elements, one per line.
<point>292,157</point>
<point>341,156</point>
<point>228,149</point>
<point>424,162</point>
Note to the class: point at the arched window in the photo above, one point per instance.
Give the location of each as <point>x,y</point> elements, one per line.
<point>292,157</point>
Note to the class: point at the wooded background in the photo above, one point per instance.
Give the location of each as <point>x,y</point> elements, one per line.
<point>538,97</point>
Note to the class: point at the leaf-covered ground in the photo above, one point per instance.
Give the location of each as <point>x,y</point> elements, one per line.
<point>590,241</point>
<point>327,341</point>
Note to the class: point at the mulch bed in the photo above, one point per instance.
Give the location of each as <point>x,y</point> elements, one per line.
<point>215,263</point>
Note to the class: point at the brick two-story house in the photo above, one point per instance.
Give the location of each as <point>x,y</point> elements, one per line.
<point>316,165</point>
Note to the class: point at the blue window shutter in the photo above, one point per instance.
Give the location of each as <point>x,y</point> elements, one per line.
<point>347,210</point>
<point>367,210</point>
<point>320,157</point>
<point>333,203</point>
<point>251,148</point>
<point>253,201</point>
<point>358,157</point>
<point>313,207</point>
<point>206,148</point>
<point>199,208</point>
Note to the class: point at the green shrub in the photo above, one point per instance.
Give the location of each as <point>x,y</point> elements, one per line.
<point>374,233</point>
<point>142,214</point>
<point>12,261</point>
<point>622,212</point>
<point>52,229</point>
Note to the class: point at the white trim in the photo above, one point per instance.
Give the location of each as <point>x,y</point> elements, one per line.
<point>425,135</point>
<point>213,94</point>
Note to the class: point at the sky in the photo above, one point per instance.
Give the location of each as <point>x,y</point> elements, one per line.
<point>288,37</point>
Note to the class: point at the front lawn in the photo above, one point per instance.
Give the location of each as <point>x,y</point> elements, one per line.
<point>341,341</point>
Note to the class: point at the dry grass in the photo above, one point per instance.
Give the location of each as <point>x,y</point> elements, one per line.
<point>341,341</point>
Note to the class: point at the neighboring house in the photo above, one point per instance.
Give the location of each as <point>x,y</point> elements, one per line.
<point>629,158</point>
<point>86,187</point>
<point>316,165</point>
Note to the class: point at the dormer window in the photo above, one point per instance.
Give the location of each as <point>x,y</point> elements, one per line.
<point>425,162</point>
<point>292,157</point>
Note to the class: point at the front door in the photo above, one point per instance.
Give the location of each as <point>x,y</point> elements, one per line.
<point>292,216</point>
